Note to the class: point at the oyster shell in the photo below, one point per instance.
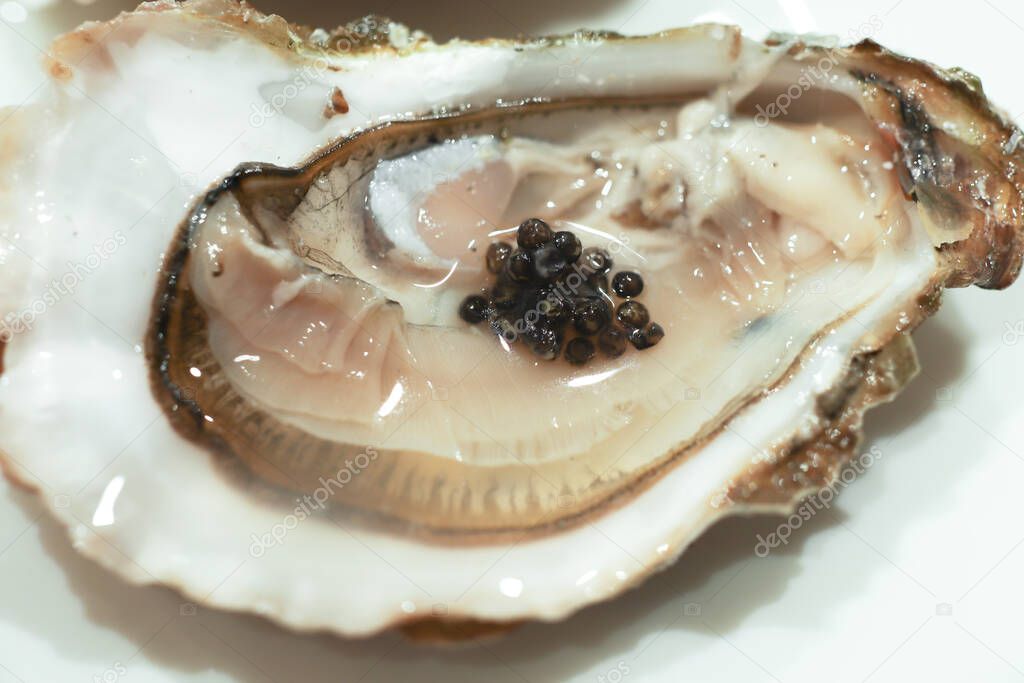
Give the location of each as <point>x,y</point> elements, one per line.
<point>271,404</point>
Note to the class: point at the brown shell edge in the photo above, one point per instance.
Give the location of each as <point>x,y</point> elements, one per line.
<point>965,175</point>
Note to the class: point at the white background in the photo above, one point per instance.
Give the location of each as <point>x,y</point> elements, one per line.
<point>913,574</point>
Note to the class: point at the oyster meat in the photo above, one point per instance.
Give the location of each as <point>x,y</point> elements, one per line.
<point>233,357</point>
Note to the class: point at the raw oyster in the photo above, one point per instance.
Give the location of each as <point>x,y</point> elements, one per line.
<point>262,395</point>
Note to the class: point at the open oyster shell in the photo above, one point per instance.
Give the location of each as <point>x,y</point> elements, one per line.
<point>261,394</point>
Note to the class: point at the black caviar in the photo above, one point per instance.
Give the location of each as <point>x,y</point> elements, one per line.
<point>646,337</point>
<point>612,342</point>
<point>549,263</point>
<point>627,283</point>
<point>632,314</point>
<point>597,260</point>
<point>533,233</point>
<point>497,255</point>
<point>579,351</point>
<point>554,296</point>
<point>520,267</point>
<point>504,295</point>
<point>569,244</point>
<point>474,309</point>
<point>591,315</point>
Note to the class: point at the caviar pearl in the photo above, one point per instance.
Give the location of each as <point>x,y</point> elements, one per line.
<point>568,244</point>
<point>549,263</point>
<point>554,308</point>
<point>497,255</point>
<point>597,260</point>
<point>473,309</point>
<point>520,266</point>
<point>632,314</point>
<point>579,351</point>
<point>647,337</point>
<point>544,341</point>
<point>612,342</point>
<point>592,315</point>
<point>533,233</point>
<point>504,296</point>
<point>654,333</point>
<point>627,284</point>
<point>599,283</point>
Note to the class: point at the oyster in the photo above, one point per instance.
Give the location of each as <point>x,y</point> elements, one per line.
<point>262,394</point>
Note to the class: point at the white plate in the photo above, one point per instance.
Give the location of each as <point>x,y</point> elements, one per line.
<point>912,574</point>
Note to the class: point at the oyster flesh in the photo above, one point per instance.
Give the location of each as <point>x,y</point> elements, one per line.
<point>233,357</point>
